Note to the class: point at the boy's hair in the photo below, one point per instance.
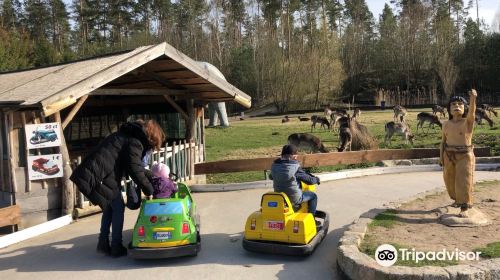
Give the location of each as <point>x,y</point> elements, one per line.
<point>460,99</point>
<point>288,150</point>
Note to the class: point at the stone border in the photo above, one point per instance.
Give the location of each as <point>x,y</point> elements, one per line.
<point>357,265</point>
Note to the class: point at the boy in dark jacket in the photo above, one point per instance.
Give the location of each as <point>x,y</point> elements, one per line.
<point>287,175</point>
<point>99,176</point>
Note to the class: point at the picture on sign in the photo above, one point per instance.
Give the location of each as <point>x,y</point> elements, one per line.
<point>45,166</point>
<point>43,135</point>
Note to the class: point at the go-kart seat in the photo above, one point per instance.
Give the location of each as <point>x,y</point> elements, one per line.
<point>273,204</point>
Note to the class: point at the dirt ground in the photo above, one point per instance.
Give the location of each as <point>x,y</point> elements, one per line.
<point>417,225</point>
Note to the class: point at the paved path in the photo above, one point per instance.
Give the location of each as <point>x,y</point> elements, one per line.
<point>69,253</point>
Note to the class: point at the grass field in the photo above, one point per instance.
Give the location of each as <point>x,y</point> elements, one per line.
<point>264,137</point>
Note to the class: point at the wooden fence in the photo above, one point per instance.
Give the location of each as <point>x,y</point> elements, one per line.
<point>312,160</point>
<point>181,158</point>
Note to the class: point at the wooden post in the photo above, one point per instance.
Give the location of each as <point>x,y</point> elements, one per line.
<point>203,133</point>
<point>188,159</point>
<point>3,182</point>
<point>174,165</point>
<point>28,182</point>
<point>191,122</point>
<point>80,195</point>
<point>68,203</point>
<point>9,124</point>
<point>182,159</point>
<point>165,154</point>
<point>192,156</point>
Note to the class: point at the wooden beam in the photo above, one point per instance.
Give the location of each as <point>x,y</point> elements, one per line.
<point>73,111</point>
<point>326,159</point>
<point>176,107</point>
<point>100,78</point>
<point>9,131</point>
<point>191,123</point>
<point>10,216</point>
<point>213,78</point>
<point>161,80</point>
<point>68,199</point>
<point>3,180</point>
<point>27,180</point>
<point>135,92</point>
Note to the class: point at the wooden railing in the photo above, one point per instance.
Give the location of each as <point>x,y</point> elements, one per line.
<point>312,160</point>
<point>181,158</point>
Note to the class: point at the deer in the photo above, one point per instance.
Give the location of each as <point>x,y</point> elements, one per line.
<point>402,129</point>
<point>322,120</point>
<point>490,109</point>
<point>308,142</point>
<point>401,112</point>
<point>345,135</point>
<point>357,113</point>
<point>427,117</point>
<point>438,109</point>
<point>285,119</point>
<point>480,115</point>
<point>335,117</point>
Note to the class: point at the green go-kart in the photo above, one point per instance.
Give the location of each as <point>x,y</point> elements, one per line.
<point>167,227</point>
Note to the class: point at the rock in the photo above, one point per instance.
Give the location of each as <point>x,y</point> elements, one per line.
<point>404,162</point>
<point>476,218</point>
<point>435,273</point>
<point>490,267</point>
<point>465,272</point>
<point>399,272</point>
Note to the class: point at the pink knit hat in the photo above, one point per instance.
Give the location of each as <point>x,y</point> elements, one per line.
<point>160,170</point>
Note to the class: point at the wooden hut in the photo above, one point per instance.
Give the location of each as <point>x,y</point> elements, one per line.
<point>90,99</point>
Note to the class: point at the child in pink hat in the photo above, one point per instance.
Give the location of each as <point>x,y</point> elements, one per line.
<point>164,187</point>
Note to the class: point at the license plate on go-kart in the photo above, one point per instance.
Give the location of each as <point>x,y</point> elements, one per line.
<point>162,235</point>
<point>275,225</point>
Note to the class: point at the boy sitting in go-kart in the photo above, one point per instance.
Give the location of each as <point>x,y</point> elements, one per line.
<point>287,174</point>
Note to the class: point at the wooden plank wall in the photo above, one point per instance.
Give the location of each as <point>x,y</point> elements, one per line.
<point>259,164</point>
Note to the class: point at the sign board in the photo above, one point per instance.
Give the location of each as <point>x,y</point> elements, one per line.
<point>43,135</point>
<point>45,166</point>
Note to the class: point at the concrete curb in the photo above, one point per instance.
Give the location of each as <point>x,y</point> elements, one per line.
<point>344,174</point>
<point>33,231</point>
<point>357,265</point>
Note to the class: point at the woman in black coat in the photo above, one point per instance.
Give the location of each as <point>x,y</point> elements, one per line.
<point>99,176</point>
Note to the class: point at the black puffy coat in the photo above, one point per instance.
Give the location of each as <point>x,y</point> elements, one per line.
<point>99,176</point>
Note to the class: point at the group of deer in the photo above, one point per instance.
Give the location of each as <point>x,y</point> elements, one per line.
<point>342,119</point>
<point>484,111</point>
<point>403,128</point>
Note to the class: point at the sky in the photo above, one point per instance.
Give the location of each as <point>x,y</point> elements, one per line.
<point>489,11</point>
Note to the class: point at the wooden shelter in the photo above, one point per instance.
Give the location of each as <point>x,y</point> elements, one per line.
<point>90,99</point>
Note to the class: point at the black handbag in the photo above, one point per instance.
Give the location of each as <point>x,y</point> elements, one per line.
<point>133,196</point>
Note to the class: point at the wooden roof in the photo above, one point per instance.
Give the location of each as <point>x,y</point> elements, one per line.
<point>158,70</point>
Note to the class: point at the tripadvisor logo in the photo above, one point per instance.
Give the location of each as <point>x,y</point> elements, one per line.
<point>387,255</point>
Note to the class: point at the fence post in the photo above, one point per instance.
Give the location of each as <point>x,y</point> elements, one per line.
<point>174,165</point>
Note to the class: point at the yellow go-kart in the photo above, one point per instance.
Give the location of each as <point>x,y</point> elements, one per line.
<point>278,228</point>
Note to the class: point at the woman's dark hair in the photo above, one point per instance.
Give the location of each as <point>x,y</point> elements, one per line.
<point>153,132</point>
<point>459,99</point>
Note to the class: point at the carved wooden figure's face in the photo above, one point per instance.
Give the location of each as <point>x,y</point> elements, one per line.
<point>457,108</point>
